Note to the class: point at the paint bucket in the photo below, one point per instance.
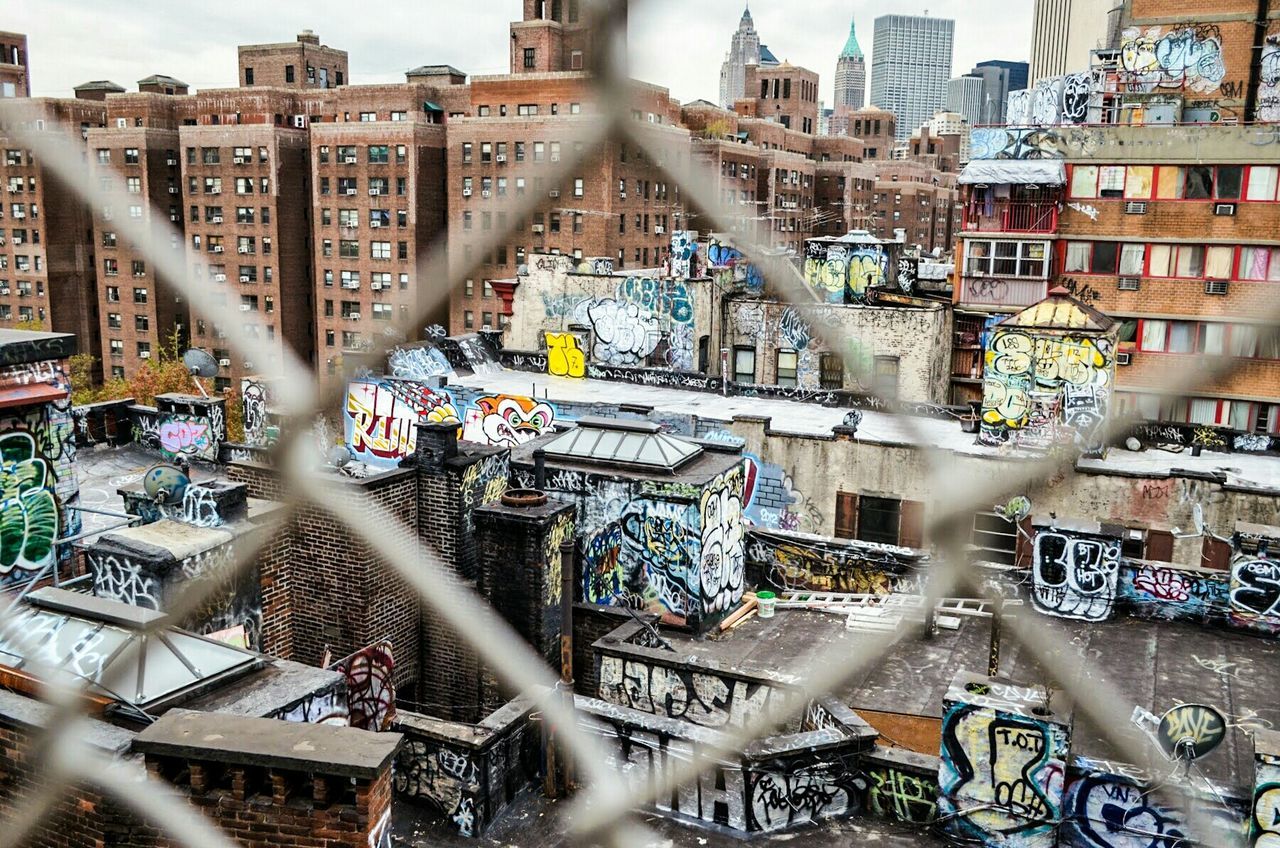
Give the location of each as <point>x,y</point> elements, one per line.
<point>766,603</point>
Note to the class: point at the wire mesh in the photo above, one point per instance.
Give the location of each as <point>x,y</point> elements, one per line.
<point>601,810</point>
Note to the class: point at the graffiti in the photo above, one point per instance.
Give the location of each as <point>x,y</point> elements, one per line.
<point>667,299</point>
<point>704,699</point>
<point>908,272</point>
<point>507,420</point>
<point>793,331</point>
<point>1075,98</point>
<point>186,435</point>
<point>371,692</point>
<point>253,398</point>
<point>380,833</point>
<point>1251,443</point>
<point>987,288</point>
<point>723,557</point>
<point>564,357</point>
<point>1075,577</point>
<point>721,255</point>
<point>1158,434</point>
<point>600,266</point>
<point>1081,291</point>
<point>484,482</point>
<point>1046,101</point>
<point>1265,818</point>
<point>1162,584</point>
<point>624,333</point>
<point>117,578</point>
<point>1268,108</point>
<point>327,707</point>
<point>797,563</point>
<point>749,320</point>
<point>780,800</point>
<point>1000,775</point>
<point>1085,209</point>
<point>1208,437</point>
<point>418,363</point>
<point>1111,811</point>
<point>435,331</point>
<point>560,532</point>
<point>601,570</point>
<point>902,796</point>
<point>1018,107</point>
<point>198,508</point>
<point>775,502</point>
<point>1016,142</point>
<point>684,254</point>
<point>826,269</point>
<point>29,517</point>
<point>445,778</point>
<point>379,424</point>
<point>1255,593</point>
<point>659,554</point>
<point>1188,58</point>
<point>559,305</point>
<point>554,262</point>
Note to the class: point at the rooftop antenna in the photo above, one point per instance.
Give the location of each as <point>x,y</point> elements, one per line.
<point>200,363</point>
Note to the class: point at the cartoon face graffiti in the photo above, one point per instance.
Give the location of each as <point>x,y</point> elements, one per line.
<point>508,420</point>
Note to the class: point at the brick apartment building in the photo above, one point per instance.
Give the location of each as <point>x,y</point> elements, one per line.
<point>302,63</point>
<point>1170,229</point>
<point>15,74</point>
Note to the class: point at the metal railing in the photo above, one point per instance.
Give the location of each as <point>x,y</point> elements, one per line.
<point>601,810</point>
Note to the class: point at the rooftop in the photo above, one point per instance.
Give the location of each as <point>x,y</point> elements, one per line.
<point>813,419</point>
<point>162,79</point>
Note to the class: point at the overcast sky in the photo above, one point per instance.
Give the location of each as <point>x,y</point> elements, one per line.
<point>676,43</point>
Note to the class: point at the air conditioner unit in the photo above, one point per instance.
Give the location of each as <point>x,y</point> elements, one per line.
<point>1124,358</point>
<point>354,316</point>
<point>353,191</point>
<point>19,214</point>
<point>1224,209</point>
<point>466,192</point>
<point>1135,207</point>
<point>376,286</point>
<point>555,192</point>
<point>217,248</point>
<point>5,290</point>
<point>242,250</point>
<point>622,196</point>
<point>349,160</point>
<point>1215,286</point>
<point>375,192</point>
<point>1128,283</point>
<point>659,230</point>
<point>537,228</point>
<point>555,157</point>
<point>171,162</point>
<point>244,278</point>
<point>486,193</point>
<point>145,354</point>
<point>225,363</point>
<point>375,224</point>
<point>244,307</point>
<point>502,158</point>
<point>217,219</point>
<point>173,189</point>
<point>221,278</point>
<point>239,160</point>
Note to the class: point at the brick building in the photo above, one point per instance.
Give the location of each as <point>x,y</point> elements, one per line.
<point>15,69</point>
<point>301,64</point>
<point>920,200</point>
<point>784,93</point>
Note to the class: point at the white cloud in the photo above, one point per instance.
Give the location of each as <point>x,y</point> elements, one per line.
<point>674,43</point>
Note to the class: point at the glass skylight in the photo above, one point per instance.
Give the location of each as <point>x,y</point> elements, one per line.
<point>636,443</point>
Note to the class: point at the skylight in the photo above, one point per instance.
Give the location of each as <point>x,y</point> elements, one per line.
<point>75,639</point>
<point>635,443</point>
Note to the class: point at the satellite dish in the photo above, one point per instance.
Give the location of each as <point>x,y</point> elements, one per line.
<point>165,484</point>
<point>1018,508</point>
<point>200,363</point>
<point>1190,731</point>
<point>338,456</point>
<point>1197,519</point>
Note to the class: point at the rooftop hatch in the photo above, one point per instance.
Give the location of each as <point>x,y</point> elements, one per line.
<point>633,443</point>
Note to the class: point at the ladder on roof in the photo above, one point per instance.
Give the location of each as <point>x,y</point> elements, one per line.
<point>865,611</point>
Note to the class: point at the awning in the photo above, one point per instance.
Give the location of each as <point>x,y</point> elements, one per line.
<point>1015,171</point>
<point>428,106</point>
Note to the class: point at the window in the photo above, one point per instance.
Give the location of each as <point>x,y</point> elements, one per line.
<point>381,249</point>
<point>368,117</point>
<point>1262,182</point>
<point>530,58</point>
<point>248,76</point>
<point>788,365</point>
<point>400,116</point>
<point>141,323</point>
<point>288,73</point>
<point>402,154</point>
<point>1084,257</point>
<point>578,187</point>
<point>744,364</point>
<point>1131,259</point>
<point>139,295</point>
<point>210,155</point>
<point>469,319</point>
<point>1259,263</point>
<point>885,376</point>
<point>1199,182</point>
<point>831,371</point>
<point>114,321</point>
<point>113,294</point>
<point>575,60</point>
<point>878,519</point>
<point>139,268</point>
<point>1007,258</point>
<point>131,155</point>
<point>349,218</point>
<point>349,248</point>
<point>117,347</point>
<point>1177,260</point>
<point>379,154</point>
<point>110,267</point>
<point>527,110</point>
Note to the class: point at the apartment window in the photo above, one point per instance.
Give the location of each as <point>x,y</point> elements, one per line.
<point>577,222</point>
<point>244,214</point>
<point>831,371</point>
<point>248,76</point>
<point>382,311</point>
<point>113,294</point>
<point>530,58</point>
<point>402,217</point>
<point>788,366</point>
<point>469,288</point>
<point>575,108</point>
<point>554,222</point>
<point>213,185</point>
<point>885,376</point>
<point>400,116</point>
<point>469,319</point>
<point>141,323</point>
<point>139,295</point>
<point>519,151</point>
<point>1178,260</point>
<point>379,154</point>
<point>404,282</point>
<point>579,187</point>
<point>114,321</point>
<point>402,154</point>
<point>527,110</point>
<point>324,185</point>
<point>368,117</point>
<point>117,347</point>
<point>401,186</point>
<point>209,155</point>
<point>744,362</point>
<point>288,73</point>
<point>1259,263</point>
<point>324,154</point>
<point>539,151</point>
<point>110,267</point>
<point>468,220</point>
<point>242,155</point>
<point>483,111</point>
<point>1263,181</point>
<point>350,279</point>
<point>1084,257</point>
<point>131,155</point>
<point>350,339</point>
<point>402,249</point>
<point>348,218</point>
<point>377,186</point>
<point>139,268</point>
<point>486,152</point>
<point>104,156</point>
<point>381,249</point>
<point>575,60</point>
<point>349,248</point>
<point>328,309</point>
<point>328,338</point>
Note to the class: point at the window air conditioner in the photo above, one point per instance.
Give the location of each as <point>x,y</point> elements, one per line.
<point>555,192</point>
<point>221,278</point>
<point>244,307</point>
<point>217,219</point>
<point>300,121</point>
<point>466,192</point>
<point>145,354</point>
<point>537,228</point>
<point>1215,286</point>
<point>354,316</point>
<point>353,191</point>
<point>375,224</point>
<point>502,158</point>
<point>486,193</point>
<point>242,250</point>
<point>1224,209</point>
<point>659,229</point>
<point>217,248</point>
<point>349,160</point>
<point>376,286</point>
<point>375,191</point>
<point>171,162</point>
<point>1128,284</point>
<point>239,160</point>
<point>173,189</point>
<point>244,278</point>
<point>225,363</point>
<point>1124,358</point>
<point>1135,207</point>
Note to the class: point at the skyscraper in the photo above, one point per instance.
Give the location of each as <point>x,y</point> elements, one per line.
<point>1064,31</point>
<point>964,97</point>
<point>743,50</point>
<point>910,66</point>
<point>999,77</point>
<point>851,74</point>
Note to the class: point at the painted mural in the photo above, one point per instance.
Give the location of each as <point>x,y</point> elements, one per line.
<point>1042,388</point>
<point>380,414</point>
